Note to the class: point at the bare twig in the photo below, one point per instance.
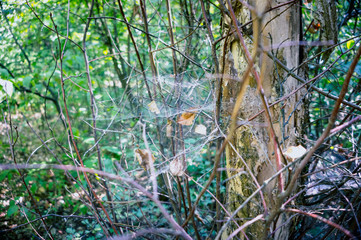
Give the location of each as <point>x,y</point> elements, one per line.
<point>94,117</point>
<point>70,131</point>
<point>246,224</point>
<point>342,229</point>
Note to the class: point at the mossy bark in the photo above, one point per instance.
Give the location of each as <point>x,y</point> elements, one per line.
<point>251,142</point>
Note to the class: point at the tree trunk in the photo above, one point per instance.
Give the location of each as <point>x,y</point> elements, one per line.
<point>279,33</point>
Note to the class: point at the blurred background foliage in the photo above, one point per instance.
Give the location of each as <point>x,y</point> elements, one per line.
<point>31,94</point>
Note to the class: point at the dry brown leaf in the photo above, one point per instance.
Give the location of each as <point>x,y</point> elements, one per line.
<point>176,167</point>
<point>314,27</point>
<point>186,118</point>
<point>295,152</point>
<point>153,107</point>
<point>142,157</point>
<point>201,129</point>
<point>169,130</point>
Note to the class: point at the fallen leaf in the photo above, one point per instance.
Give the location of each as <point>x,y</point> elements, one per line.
<point>186,118</point>
<point>153,107</point>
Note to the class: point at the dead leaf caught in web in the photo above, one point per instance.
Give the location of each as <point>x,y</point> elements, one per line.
<point>293,152</point>
<point>201,129</point>
<point>153,107</point>
<point>186,118</point>
<point>176,167</point>
<point>143,158</point>
<point>169,130</point>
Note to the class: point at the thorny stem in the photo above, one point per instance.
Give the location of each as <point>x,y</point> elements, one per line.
<point>179,126</point>
<point>330,125</point>
<point>54,31</point>
<point>217,109</point>
<point>151,57</point>
<point>122,75</point>
<point>67,172</point>
<point>180,130</point>
<point>155,86</point>
<point>258,190</point>
<point>326,94</point>
<point>226,141</point>
<point>136,48</point>
<point>71,131</point>
<point>340,219</point>
<point>246,224</point>
<point>94,116</point>
<point>303,85</point>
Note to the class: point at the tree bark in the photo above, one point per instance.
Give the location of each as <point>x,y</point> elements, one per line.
<point>279,33</point>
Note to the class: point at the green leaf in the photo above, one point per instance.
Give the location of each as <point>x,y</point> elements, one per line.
<point>89,140</point>
<point>39,87</point>
<point>112,149</point>
<point>83,209</point>
<point>90,162</point>
<point>27,81</point>
<point>33,188</point>
<point>4,74</point>
<point>350,44</point>
<point>13,209</point>
<point>3,175</point>
<point>28,179</point>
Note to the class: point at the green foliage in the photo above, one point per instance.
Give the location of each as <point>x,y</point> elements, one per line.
<point>13,209</point>
<point>49,86</point>
<point>30,58</point>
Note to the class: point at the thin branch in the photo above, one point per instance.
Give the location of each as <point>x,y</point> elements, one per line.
<point>246,224</point>
<point>94,117</point>
<point>14,37</point>
<point>338,227</point>
<point>143,232</point>
<point>136,49</point>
